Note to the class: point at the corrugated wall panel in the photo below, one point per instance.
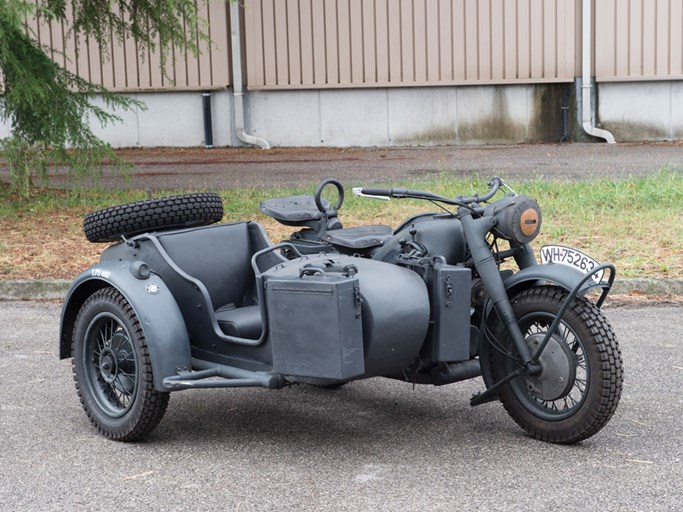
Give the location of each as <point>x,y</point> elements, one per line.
<point>124,69</point>
<point>676,43</point>
<point>638,40</point>
<point>371,43</point>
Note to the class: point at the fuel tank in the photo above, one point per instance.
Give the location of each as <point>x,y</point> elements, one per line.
<point>439,233</point>
<point>390,304</point>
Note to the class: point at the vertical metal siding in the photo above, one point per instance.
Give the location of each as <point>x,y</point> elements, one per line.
<point>370,43</point>
<point>638,40</point>
<point>124,69</point>
<point>378,43</point>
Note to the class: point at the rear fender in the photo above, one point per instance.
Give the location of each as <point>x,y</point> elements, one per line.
<point>161,320</point>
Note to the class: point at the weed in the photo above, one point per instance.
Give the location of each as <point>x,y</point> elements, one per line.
<point>636,223</point>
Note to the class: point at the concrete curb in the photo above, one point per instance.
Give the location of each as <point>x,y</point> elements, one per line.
<point>39,289</point>
<point>46,289</point>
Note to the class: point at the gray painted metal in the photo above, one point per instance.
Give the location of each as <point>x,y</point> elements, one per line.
<point>154,304</point>
<point>553,273</point>
<point>394,311</point>
<point>405,312</point>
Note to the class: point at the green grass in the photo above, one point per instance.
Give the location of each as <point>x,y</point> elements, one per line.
<point>636,222</point>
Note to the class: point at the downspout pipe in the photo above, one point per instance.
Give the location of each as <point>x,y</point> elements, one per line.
<point>238,93</point>
<point>208,122</point>
<point>586,84</point>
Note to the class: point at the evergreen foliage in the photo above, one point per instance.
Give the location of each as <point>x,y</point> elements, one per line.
<point>47,106</point>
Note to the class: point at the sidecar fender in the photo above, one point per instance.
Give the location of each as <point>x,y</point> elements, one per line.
<point>161,320</point>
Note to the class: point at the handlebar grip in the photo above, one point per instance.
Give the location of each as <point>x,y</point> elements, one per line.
<point>377,191</point>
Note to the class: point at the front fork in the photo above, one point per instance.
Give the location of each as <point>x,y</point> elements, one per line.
<point>475,232</point>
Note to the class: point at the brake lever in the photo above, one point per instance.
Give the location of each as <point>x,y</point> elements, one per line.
<point>508,187</point>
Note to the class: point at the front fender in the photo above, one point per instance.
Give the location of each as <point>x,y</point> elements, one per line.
<point>537,275</point>
<point>551,273</point>
<point>161,320</point>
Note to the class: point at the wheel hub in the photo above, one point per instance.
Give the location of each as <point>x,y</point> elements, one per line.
<point>108,365</point>
<point>558,368</point>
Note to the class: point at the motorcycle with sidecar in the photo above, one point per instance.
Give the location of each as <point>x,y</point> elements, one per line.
<point>180,301</point>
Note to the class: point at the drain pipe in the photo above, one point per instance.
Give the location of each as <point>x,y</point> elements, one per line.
<point>208,124</point>
<point>586,85</point>
<point>238,93</point>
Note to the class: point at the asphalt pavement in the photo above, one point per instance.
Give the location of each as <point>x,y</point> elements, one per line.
<point>374,445</point>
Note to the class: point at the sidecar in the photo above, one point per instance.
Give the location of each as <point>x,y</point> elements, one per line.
<point>219,306</point>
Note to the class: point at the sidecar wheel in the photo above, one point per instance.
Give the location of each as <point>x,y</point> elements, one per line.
<point>580,384</point>
<point>112,369</point>
<point>181,211</point>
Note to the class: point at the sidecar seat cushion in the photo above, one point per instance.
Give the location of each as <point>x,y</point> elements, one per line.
<point>244,322</point>
<point>219,256</point>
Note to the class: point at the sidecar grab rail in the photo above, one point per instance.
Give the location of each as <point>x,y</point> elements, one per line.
<point>262,252</point>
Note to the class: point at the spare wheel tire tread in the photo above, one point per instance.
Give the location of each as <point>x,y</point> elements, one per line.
<point>181,211</point>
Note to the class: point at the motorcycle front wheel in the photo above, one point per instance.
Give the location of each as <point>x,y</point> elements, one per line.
<point>580,383</point>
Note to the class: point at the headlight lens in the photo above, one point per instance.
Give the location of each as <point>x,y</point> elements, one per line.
<point>518,218</point>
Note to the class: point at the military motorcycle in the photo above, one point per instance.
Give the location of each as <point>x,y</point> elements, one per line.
<point>180,302</point>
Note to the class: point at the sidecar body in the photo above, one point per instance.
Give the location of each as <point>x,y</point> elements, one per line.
<point>219,306</point>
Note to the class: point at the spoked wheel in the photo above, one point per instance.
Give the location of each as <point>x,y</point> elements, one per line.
<point>581,376</point>
<point>112,369</point>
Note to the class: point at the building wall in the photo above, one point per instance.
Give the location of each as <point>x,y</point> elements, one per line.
<point>638,40</point>
<point>319,44</point>
<point>126,70</point>
<point>657,115</point>
<point>400,72</point>
<point>408,116</point>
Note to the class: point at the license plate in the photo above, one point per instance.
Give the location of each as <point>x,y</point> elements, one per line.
<point>571,258</point>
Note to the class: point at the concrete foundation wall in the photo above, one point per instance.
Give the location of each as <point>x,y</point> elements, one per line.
<point>642,111</point>
<point>502,114</point>
<point>169,119</point>
<point>408,116</point>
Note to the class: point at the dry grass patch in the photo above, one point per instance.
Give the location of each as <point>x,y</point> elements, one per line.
<point>636,223</point>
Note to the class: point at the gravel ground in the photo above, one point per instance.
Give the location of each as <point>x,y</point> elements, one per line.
<point>224,168</point>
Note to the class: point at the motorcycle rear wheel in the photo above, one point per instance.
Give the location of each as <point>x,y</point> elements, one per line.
<point>580,384</point>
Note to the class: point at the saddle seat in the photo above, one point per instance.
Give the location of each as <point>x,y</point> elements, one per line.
<point>359,237</point>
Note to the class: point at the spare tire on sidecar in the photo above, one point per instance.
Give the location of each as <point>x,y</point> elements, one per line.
<point>155,214</point>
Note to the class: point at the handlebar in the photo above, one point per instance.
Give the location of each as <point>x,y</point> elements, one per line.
<point>402,193</point>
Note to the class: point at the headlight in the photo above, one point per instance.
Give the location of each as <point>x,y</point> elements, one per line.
<point>518,218</point>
